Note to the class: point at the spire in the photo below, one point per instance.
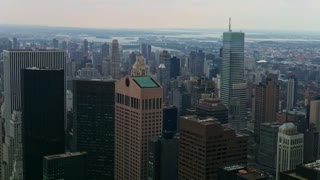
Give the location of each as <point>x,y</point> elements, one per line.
<point>139,68</point>
<point>230,24</point>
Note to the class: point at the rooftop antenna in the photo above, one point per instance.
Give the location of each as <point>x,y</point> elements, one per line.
<point>230,24</point>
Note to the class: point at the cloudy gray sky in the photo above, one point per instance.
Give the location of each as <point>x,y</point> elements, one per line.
<point>246,14</point>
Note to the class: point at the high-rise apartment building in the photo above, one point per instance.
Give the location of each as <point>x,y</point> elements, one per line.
<point>232,64</point>
<point>289,149</point>
<point>200,154</point>
<point>93,104</point>
<point>43,117</point>
<point>266,102</point>
<point>138,118</point>
<point>115,60</point>
<point>65,166</point>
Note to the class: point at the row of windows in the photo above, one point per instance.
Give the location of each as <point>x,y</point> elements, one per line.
<point>144,104</point>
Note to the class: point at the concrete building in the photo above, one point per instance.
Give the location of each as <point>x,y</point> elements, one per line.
<point>68,166</point>
<point>199,154</point>
<point>115,60</point>
<point>315,114</point>
<point>93,105</point>
<point>212,108</point>
<point>138,118</point>
<point>266,102</point>
<point>89,72</point>
<point>289,149</point>
<point>43,117</point>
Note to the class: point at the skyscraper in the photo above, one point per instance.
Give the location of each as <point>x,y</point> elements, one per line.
<point>93,103</point>
<point>170,120</point>
<point>174,67</point>
<point>315,114</point>
<point>43,120</point>
<point>289,149</point>
<point>105,50</point>
<point>138,118</point>
<point>267,149</point>
<point>266,102</point>
<point>232,64</point>
<point>14,61</point>
<point>115,60</point>
<point>291,93</point>
<point>200,155</point>
<point>15,43</point>
<point>65,166</point>
<point>163,157</point>
<point>55,43</point>
<point>85,48</point>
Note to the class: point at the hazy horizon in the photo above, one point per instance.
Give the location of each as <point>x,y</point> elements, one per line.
<point>295,15</point>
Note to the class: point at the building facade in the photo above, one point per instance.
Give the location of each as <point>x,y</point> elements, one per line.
<point>93,104</point>
<point>200,154</point>
<point>289,149</point>
<point>43,117</point>
<point>115,60</point>
<point>138,118</point>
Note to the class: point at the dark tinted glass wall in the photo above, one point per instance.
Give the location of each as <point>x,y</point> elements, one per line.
<point>93,103</point>
<point>43,114</point>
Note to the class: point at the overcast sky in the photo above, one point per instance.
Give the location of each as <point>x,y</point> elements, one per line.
<point>246,14</point>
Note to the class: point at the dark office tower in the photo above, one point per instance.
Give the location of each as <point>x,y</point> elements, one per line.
<point>55,43</point>
<point>311,145</point>
<point>267,148</point>
<point>43,109</point>
<point>132,58</point>
<point>266,102</point>
<point>232,63</point>
<point>105,49</point>
<point>15,44</point>
<point>69,166</point>
<point>200,155</point>
<point>115,60</point>
<point>221,52</point>
<point>93,103</point>
<point>163,158</point>
<point>213,108</point>
<point>85,48</point>
<point>149,51</point>
<point>292,86</point>
<point>170,119</point>
<point>174,67</point>
<point>199,64</point>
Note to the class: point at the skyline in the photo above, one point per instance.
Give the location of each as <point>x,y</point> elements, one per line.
<point>140,14</point>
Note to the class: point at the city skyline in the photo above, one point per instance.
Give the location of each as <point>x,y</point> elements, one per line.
<point>178,14</point>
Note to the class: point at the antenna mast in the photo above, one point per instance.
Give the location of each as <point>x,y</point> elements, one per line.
<point>230,24</point>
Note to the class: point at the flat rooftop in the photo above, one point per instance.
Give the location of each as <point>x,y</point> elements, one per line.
<point>65,155</point>
<point>145,82</point>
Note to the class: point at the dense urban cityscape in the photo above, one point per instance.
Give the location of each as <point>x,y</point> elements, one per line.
<point>159,104</point>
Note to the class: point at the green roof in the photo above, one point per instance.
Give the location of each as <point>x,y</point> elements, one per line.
<point>145,82</point>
